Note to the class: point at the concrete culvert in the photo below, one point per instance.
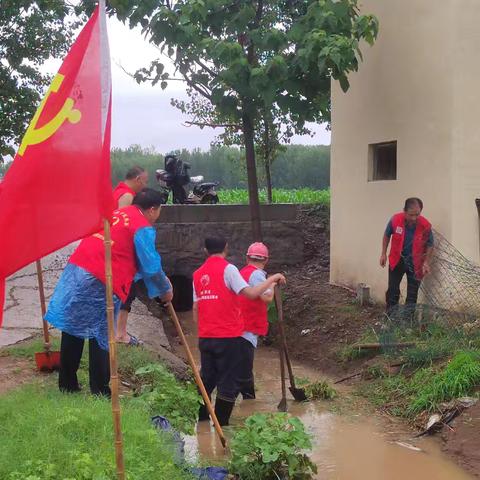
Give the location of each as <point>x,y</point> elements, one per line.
<point>182,292</point>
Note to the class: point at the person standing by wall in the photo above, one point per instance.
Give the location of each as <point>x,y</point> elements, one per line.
<point>410,251</point>
<point>136,180</point>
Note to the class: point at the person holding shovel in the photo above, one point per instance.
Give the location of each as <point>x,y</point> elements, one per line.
<point>254,313</point>
<point>77,306</point>
<point>136,180</point>
<point>216,287</point>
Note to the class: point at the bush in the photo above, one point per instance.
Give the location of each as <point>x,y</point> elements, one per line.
<point>270,447</point>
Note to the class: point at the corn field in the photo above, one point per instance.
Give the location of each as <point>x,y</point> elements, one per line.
<point>302,195</point>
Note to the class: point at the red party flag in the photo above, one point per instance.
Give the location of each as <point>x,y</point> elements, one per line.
<point>58,188</point>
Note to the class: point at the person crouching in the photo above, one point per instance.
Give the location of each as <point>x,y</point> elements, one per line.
<point>216,286</point>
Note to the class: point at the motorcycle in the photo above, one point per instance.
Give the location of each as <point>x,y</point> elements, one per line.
<point>175,178</point>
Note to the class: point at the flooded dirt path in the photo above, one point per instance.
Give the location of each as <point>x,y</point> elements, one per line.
<point>348,444</point>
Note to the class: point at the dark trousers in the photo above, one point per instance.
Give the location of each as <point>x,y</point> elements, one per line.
<point>246,378</point>
<point>220,360</point>
<point>395,277</point>
<point>131,297</point>
<point>98,365</point>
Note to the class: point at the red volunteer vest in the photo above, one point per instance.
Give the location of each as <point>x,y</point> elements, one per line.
<point>419,247</point>
<point>90,254</point>
<point>121,189</point>
<point>254,312</point>
<point>218,310</point>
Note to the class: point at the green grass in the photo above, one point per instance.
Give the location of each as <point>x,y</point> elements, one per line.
<point>407,394</point>
<point>459,378</point>
<point>29,348</point>
<point>51,436</point>
<point>302,195</point>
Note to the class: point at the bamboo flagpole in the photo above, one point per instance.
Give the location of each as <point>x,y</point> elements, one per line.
<point>112,350</point>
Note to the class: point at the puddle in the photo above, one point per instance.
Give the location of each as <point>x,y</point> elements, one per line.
<point>345,447</point>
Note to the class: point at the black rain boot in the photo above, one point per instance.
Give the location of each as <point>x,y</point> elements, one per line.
<point>248,391</point>
<point>203,413</point>
<point>223,410</point>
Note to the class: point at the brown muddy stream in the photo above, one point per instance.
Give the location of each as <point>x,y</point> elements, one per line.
<point>348,444</point>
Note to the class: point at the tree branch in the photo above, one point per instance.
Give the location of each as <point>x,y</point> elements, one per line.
<point>213,125</point>
<point>207,69</point>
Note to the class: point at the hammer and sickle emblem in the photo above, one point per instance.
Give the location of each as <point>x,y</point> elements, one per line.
<point>33,135</point>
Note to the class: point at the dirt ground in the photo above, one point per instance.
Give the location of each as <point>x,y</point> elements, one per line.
<point>462,442</point>
<point>14,372</point>
<point>321,319</point>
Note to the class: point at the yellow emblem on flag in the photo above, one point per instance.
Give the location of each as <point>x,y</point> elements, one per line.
<point>33,135</point>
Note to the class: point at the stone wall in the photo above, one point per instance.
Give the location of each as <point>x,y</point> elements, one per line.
<point>182,230</point>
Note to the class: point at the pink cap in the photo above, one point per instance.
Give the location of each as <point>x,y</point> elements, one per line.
<point>257,250</point>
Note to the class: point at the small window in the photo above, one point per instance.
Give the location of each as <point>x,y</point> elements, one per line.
<point>382,161</point>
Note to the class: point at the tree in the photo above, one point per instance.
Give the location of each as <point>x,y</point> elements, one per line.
<point>246,58</point>
<point>272,129</point>
<point>30,33</point>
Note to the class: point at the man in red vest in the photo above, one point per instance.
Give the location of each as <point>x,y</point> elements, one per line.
<point>216,287</point>
<point>254,313</point>
<point>410,251</point>
<point>136,180</point>
<point>77,306</point>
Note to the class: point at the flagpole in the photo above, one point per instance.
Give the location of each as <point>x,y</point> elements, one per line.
<point>112,348</point>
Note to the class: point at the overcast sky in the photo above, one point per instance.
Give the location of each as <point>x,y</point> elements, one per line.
<point>142,114</point>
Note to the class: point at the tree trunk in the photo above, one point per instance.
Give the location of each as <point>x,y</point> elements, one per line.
<point>268,177</point>
<point>248,135</point>
<point>267,152</point>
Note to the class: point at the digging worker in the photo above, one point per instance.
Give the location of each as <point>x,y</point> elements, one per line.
<point>216,287</point>
<point>136,180</point>
<point>410,251</point>
<point>77,306</point>
<point>254,313</point>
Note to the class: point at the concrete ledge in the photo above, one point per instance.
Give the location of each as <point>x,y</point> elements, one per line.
<point>226,213</point>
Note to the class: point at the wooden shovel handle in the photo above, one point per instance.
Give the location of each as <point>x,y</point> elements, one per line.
<point>196,374</point>
<point>279,307</point>
<point>43,306</point>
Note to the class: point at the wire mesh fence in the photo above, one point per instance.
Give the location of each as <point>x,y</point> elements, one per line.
<point>448,315</point>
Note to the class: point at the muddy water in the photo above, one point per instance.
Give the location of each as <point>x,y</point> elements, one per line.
<point>350,445</point>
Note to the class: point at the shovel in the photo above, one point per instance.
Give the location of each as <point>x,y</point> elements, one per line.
<point>47,361</point>
<point>297,393</point>
<point>196,374</point>
<point>282,406</point>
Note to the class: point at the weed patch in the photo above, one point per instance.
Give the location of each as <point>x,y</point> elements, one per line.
<point>272,446</point>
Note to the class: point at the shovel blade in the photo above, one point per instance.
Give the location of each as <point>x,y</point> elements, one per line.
<point>47,361</point>
<point>282,406</point>
<point>298,394</point>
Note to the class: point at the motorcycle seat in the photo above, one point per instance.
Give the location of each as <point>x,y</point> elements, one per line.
<point>209,184</point>
<point>197,179</point>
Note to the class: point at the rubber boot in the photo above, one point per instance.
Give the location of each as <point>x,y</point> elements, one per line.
<point>203,413</point>
<point>223,410</point>
<point>248,391</point>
